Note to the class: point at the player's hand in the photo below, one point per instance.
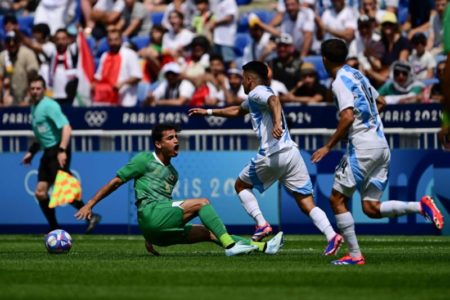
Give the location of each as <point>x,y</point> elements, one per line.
<point>197,112</point>
<point>85,213</point>
<point>277,131</point>
<point>319,154</point>
<point>26,160</point>
<point>62,159</point>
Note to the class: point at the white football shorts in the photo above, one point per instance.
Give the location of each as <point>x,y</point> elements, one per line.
<point>366,170</point>
<point>286,165</point>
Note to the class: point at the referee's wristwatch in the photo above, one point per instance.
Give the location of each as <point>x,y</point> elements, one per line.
<point>61,149</point>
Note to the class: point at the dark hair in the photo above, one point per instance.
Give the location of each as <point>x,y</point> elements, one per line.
<point>334,50</point>
<point>201,1</point>
<point>258,68</point>
<point>159,28</point>
<point>38,78</point>
<point>178,13</point>
<point>10,18</point>
<point>157,131</point>
<point>41,28</point>
<point>216,56</point>
<point>64,30</point>
<point>419,39</point>
<point>201,41</point>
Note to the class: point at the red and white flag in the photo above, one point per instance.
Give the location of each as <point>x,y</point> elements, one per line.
<point>86,71</point>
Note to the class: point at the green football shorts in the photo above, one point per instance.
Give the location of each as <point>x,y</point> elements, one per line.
<point>162,223</point>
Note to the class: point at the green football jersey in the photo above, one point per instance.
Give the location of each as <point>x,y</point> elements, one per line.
<point>153,181</point>
<point>47,122</point>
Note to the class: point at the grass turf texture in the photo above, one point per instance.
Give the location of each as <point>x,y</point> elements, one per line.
<point>118,267</point>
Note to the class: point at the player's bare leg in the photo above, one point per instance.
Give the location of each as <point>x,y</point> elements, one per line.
<point>251,206</point>
<point>320,220</point>
<point>346,225</point>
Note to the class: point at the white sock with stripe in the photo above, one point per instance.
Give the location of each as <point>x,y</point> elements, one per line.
<point>395,208</point>
<point>346,225</point>
<point>321,221</point>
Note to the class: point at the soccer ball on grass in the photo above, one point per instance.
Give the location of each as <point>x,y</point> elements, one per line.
<point>58,241</point>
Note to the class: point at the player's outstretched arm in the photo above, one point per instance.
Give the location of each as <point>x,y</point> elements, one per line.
<point>86,211</point>
<point>275,108</point>
<point>227,112</point>
<point>381,104</point>
<point>346,118</point>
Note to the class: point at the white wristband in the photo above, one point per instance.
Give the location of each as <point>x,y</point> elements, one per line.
<point>209,112</point>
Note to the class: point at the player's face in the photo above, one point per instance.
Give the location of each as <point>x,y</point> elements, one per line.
<point>169,143</point>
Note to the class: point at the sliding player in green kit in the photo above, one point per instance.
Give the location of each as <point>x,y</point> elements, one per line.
<point>164,221</point>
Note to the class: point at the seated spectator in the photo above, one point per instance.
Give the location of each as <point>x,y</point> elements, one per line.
<point>298,21</point>
<point>56,14</point>
<point>371,9</point>
<point>286,66</point>
<point>308,90</point>
<point>117,75</point>
<point>201,20</point>
<point>186,7</point>
<point>62,57</point>
<point>257,48</point>
<point>419,13</point>
<point>436,28</point>
<point>402,87</point>
<point>216,81</point>
<point>17,64</point>
<point>135,19</point>
<point>337,22</point>
<point>177,37</point>
<point>278,88</point>
<point>10,23</point>
<point>436,91</point>
<point>396,47</point>
<point>41,36</point>
<point>422,60</point>
<point>235,93</point>
<point>152,54</point>
<point>366,47</point>
<point>105,13</point>
<point>198,61</point>
<point>224,26</point>
<point>173,90</point>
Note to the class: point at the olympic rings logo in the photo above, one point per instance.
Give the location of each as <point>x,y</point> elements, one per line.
<point>95,118</point>
<point>214,121</point>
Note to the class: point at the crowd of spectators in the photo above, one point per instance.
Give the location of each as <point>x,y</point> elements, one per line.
<point>189,52</point>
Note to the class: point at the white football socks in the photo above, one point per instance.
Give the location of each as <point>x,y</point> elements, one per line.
<point>346,225</point>
<point>321,221</point>
<point>394,208</point>
<point>249,202</point>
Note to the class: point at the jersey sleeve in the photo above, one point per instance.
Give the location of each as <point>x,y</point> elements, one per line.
<point>261,94</point>
<point>245,105</point>
<point>135,168</point>
<point>344,96</point>
<point>55,113</point>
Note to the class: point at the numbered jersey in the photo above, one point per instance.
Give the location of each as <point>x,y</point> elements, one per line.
<point>352,89</point>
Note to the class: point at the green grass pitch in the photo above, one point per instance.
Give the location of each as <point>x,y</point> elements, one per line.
<point>118,267</point>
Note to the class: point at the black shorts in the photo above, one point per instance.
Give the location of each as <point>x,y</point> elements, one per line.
<point>49,165</point>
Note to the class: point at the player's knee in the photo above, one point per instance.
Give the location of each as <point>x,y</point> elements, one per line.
<point>371,209</point>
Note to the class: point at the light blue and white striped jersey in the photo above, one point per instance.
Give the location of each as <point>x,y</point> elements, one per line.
<point>262,122</point>
<point>352,89</point>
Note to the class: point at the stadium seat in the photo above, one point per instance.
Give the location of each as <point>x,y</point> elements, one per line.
<point>316,60</point>
<point>242,39</point>
<point>26,24</point>
<point>157,18</point>
<point>243,2</point>
<point>140,42</point>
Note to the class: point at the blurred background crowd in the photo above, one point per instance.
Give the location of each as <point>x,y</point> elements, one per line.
<point>189,52</point>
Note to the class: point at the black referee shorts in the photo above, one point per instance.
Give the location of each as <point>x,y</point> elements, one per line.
<point>49,165</point>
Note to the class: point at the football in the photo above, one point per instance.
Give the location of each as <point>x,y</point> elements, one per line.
<point>58,241</point>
